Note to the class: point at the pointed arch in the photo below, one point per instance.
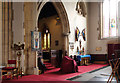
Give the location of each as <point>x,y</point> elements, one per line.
<point>61,12</point>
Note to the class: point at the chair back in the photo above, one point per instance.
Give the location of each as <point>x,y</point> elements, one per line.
<point>70,56</point>
<point>111,62</point>
<point>75,58</point>
<point>114,62</point>
<point>115,65</point>
<point>10,62</point>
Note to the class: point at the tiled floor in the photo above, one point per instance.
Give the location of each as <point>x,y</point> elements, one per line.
<point>100,76</point>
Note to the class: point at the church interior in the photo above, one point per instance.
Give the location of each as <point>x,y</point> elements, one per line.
<point>60,41</point>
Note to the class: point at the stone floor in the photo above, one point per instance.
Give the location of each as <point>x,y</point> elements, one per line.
<point>99,76</point>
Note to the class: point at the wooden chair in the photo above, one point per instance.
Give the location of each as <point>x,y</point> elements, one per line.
<point>71,56</point>
<point>77,61</point>
<point>114,63</point>
<point>10,69</point>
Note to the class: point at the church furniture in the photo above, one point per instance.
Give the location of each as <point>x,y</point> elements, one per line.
<point>1,71</point>
<point>70,56</point>
<point>59,57</point>
<point>18,47</point>
<point>46,55</point>
<point>84,59</point>
<point>56,57</point>
<point>114,63</point>
<point>111,50</point>
<point>11,68</point>
<point>99,58</point>
<point>54,54</point>
<point>68,65</point>
<point>41,66</point>
<point>76,59</point>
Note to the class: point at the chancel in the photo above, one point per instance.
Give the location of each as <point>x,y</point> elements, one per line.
<point>59,41</point>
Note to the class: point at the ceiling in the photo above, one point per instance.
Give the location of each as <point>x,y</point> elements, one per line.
<point>47,11</point>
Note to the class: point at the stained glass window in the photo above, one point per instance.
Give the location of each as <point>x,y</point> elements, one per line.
<point>44,41</point>
<point>48,40</point>
<point>109,18</point>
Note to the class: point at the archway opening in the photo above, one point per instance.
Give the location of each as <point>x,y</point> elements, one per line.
<point>49,24</point>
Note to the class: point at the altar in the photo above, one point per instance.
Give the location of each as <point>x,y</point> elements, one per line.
<point>84,59</point>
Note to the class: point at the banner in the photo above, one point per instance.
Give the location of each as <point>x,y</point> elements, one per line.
<point>36,40</point>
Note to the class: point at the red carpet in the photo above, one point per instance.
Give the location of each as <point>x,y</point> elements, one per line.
<point>81,69</point>
<point>56,76</point>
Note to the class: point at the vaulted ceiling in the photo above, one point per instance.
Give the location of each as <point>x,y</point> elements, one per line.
<point>47,11</point>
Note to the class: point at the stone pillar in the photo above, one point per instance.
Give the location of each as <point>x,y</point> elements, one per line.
<point>0,33</point>
<point>10,31</point>
<point>66,45</point>
<point>3,46</point>
<point>6,31</point>
<point>18,30</point>
<point>29,25</point>
<point>65,42</point>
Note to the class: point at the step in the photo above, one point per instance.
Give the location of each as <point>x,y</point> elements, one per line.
<point>49,66</point>
<point>100,62</point>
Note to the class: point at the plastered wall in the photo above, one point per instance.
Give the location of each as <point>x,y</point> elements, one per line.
<point>76,20</point>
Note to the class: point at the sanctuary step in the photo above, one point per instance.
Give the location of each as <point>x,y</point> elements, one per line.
<point>48,65</point>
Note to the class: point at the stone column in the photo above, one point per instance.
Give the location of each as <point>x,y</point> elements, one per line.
<point>66,45</point>
<point>0,33</point>
<point>3,46</point>
<point>29,25</point>
<point>10,30</point>
<point>6,31</point>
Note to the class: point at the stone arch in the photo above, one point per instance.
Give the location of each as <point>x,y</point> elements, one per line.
<point>61,12</point>
<point>63,17</point>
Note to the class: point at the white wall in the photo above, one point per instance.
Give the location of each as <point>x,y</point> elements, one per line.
<point>94,33</point>
<point>91,26</point>
<point>75,20</point>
